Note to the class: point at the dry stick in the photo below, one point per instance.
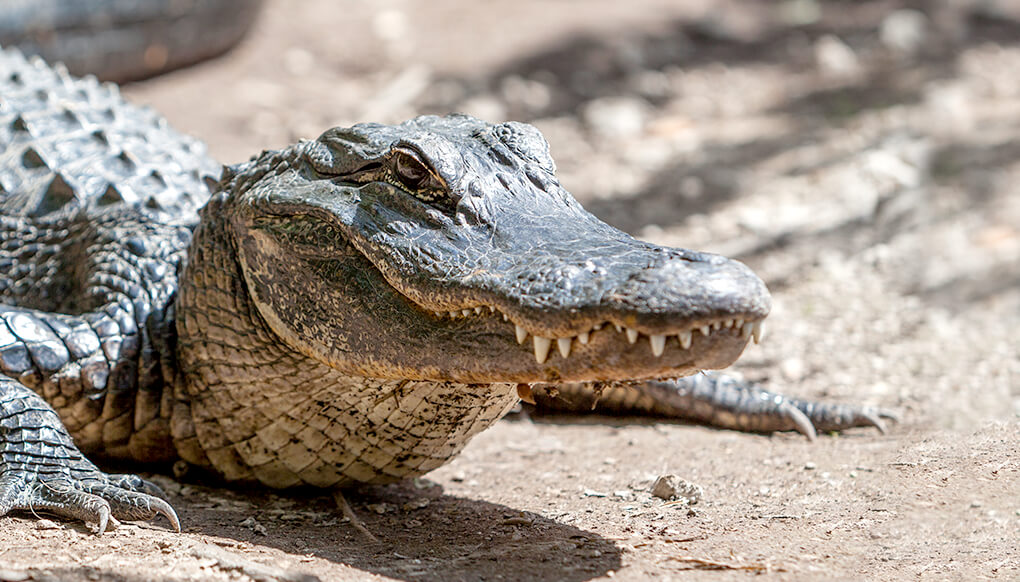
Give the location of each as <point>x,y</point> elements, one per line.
<point>341,501</point>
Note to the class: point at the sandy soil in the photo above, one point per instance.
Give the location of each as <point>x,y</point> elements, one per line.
<point>864,159</point>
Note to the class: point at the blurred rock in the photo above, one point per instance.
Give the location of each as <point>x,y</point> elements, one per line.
<point>904,31</point>
<point>616,116</point>
<point>834,58</point>
<point>527,94</point>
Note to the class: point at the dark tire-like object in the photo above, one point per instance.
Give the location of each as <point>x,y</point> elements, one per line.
<point>125,40</point>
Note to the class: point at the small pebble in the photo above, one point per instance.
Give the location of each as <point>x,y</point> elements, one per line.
<point>671,487</point>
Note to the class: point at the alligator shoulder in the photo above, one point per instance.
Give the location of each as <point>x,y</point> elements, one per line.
<point>350,309</point>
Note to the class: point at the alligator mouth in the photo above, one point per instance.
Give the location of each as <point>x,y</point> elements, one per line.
<point>658,343</point>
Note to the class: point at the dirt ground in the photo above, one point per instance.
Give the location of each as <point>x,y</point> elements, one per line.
<point>863,157</point>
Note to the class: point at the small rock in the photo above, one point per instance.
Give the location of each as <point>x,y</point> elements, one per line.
<point>419,503</point>
<point>253,524</point>
<point>671,487</point>
<point>7,575</point>
<point>903,31</point>
<point>834,58</point>
<point>380,508</point>
<point>47,524</point>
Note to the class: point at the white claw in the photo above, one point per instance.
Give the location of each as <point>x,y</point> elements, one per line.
<point>583,337</point>
<point>542,345</point>
<point>685,338</point>
<point>631,335</point>
<point>563,344</point>
<point>658,344</point>
<point>759,330</point>
<point>521,334</point>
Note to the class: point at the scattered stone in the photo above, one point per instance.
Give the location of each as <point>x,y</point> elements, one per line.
<point>419,503</point>
<point>256,527</point>
<point>381,508</point>
<point>47,524</point>
<point>671,488</point>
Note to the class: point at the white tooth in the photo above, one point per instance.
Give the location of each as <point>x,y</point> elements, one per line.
<point>542,345</point>
<point>563,344</point>
<point>492,309</point>
<point>454,314</point>
<point>506,317</point>
<point>716,325</point>
<point>759,330</point>
<point>521,334</point>
<point>619,328</point>
<point>658,344</point>
<point>685,339</point>
<point>597,326</point>
<point>704,330</point>
<point>478,310</point>
<point>746,329</point>
<point>728,323</point>
<point>632,335</point>
<point>583,337</point>
<point>738,323</point>
<point>465,312</point>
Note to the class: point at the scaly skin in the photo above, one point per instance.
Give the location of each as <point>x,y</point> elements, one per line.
<point>351,309</point>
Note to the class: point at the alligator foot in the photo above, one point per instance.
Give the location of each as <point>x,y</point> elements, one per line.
<point>41,470</point>
<point>714,399</point>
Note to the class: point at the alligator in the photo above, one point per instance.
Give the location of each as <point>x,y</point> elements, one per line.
<point>125,41</point>
<point>350,309</point>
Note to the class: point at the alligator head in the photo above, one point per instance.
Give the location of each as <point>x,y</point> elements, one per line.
<point>444,249</point>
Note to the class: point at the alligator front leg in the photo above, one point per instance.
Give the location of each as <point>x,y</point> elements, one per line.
<point>714,399</point>
<point>89,364</point>
<point>41,470</point>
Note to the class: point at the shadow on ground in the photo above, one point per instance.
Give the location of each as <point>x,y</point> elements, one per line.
<point>420,534</point>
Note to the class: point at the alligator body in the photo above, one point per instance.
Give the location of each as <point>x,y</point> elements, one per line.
<point>125,40</point>
<point>347,310</point>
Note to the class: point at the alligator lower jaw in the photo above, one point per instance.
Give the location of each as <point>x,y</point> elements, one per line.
<point>658,343</point>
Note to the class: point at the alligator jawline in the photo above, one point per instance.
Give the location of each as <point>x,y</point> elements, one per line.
<point>657,342</point>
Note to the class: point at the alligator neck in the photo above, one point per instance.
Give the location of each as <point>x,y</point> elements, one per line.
<point>252,408</point>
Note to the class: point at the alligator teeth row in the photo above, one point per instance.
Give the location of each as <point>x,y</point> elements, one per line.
<point>657,342</point>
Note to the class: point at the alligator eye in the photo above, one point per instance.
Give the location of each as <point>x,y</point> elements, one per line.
<point>410,170</point>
